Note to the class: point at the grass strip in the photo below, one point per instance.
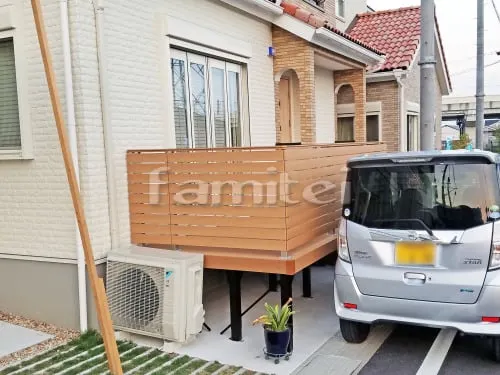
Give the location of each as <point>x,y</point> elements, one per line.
<point>157,362</point>
<point>75,361</point>
<point>230,370</point>
<point>191,367</point>
<point>210,369</point>
<point>249,372</point>
<point>173,366</point>
<point>86,343</point>
<point>122,348</point>
<point>89,336</point>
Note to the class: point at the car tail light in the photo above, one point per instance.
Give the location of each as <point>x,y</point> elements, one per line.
<point>495,256</point>
<point>342,248</point>
<point>348,305</point>
<point>491,319</point>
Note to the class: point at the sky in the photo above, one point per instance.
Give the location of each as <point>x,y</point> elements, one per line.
<point>457,23</point>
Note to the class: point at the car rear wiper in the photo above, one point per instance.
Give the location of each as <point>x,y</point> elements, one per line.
<point>416,236</point>
<point>407,235</point>
<point>426,228</point>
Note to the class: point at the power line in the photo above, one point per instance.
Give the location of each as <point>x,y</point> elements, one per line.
<point>473,69</point>
<point>496,10</point>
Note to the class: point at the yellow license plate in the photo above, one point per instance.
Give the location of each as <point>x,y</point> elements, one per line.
<point>415,253</point>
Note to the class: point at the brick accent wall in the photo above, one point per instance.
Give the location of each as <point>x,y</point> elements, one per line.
<point>357,79</point>
<point>328,10</point>
<point>388,94</point>
<point>345,95</point>
<point>296,54</point>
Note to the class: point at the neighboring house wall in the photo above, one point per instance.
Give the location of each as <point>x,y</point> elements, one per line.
<point>325,105</point>
<point>352,8</point>
<point>439,104</point>
<point>388,94</point>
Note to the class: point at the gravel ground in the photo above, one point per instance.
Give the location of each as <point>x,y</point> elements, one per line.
<point>61,336</point>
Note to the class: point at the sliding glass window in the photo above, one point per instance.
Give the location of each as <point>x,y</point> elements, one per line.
<point>207,97</point>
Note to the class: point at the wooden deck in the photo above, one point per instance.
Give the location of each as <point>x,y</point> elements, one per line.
<point>260,209</point>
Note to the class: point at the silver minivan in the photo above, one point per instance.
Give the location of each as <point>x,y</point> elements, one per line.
<point>419,243</point>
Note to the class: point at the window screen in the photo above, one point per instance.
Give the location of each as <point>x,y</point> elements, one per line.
<point>10,134</point>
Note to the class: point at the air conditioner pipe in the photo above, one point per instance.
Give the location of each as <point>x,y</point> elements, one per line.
<point>106,124</point>
<point>73,143</point>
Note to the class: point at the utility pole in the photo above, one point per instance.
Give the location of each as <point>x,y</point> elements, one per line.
<point>427,76</point>
<point>480,75</point>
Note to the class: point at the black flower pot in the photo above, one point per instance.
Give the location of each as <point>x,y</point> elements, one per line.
<point>277,342</point>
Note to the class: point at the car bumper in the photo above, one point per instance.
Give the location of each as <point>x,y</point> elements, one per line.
<point>465,318</point>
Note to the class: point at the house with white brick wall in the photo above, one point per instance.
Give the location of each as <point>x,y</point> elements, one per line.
<point>143,75</point>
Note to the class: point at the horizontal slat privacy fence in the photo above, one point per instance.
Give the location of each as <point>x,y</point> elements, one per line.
<point>262,209</point>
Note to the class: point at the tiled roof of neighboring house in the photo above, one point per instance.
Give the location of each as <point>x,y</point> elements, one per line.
<point>319,22</point>
<point>395,32</point>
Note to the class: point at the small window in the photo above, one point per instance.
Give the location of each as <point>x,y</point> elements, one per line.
<point>340,8</point>
<point>372,128</point>
<point>10,128</point>
<point>345,129</point>
<point>412,132</point>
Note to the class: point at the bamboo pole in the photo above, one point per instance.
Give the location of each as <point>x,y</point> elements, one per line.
<point>96,283</point>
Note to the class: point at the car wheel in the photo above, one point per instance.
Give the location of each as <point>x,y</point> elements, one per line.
<point>354,332</point>
<point>496,348</point>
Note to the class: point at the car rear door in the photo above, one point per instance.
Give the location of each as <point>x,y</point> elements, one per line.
<point>455,272</point>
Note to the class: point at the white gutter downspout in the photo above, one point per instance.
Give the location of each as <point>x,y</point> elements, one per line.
<point>401,89</point>
<point>108,134</point>
<point>73,144</point>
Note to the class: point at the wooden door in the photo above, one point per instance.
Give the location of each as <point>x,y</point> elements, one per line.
<point>285,111</point>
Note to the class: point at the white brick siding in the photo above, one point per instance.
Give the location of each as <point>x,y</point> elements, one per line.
<point>325,108</point>
<point>36,214</point>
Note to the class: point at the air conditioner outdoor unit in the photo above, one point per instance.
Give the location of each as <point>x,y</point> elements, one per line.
<point>156,293</point>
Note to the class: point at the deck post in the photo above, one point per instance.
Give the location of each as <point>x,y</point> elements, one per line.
<point>306,283</point>
<point>273,282</point>
<point>286,293</point>
<point>234,280</point>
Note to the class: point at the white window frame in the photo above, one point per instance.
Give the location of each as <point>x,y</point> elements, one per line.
<point>208,62</point>
<point>417,116</point>
<point>26,149</point>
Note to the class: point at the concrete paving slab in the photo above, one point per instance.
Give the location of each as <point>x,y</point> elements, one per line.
<point>337,357</point>
<point>14,338</point>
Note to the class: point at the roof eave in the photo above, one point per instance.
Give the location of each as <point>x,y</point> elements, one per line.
<point>343,46</point>
<point>441,69</point>
<point>329,40</point>
<point>262,9</point>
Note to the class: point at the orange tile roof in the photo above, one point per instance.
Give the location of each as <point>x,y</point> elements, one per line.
<point>395,32</point>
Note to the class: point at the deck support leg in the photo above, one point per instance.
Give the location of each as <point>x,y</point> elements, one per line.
<point>234,279</point>
<point>286,293</point>
<point>306,283</point>
<point>273,282</point>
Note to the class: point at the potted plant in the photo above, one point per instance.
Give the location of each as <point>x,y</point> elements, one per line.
<point>276,330</point>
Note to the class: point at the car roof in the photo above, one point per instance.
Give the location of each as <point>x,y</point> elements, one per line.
<point>424,156</point>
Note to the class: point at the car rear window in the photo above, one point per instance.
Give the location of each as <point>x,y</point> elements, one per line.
<point>443,196</point>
